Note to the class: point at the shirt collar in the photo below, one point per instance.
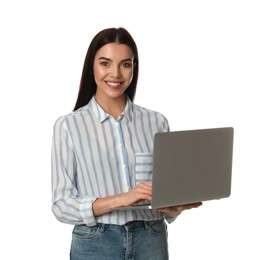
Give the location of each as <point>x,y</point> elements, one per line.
<point>102,115</point>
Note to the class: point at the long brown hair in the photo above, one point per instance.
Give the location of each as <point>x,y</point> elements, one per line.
<point>88,86</point>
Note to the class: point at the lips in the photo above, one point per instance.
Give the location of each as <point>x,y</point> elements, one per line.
<point>114,84</point>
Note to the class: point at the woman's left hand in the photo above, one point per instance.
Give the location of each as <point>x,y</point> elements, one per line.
<point>174,211</point>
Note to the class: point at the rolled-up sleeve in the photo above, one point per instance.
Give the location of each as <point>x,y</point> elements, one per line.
<point>165,124</point>
<point>67,204</point>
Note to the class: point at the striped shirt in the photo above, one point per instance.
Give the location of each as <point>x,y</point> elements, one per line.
<point>95,156</point>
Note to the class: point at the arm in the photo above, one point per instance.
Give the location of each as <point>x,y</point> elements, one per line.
<point>67,205</point>
<point>140,192</point>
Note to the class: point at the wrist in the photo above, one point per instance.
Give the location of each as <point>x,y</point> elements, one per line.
<point>117,202</point>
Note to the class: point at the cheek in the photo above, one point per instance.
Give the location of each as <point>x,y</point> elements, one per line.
<point>131,77</point>
<point>98,73</point>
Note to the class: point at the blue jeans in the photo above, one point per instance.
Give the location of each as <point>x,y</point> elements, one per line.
<point>137,240</point>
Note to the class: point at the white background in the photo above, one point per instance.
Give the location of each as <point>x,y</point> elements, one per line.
<point>202,64</point>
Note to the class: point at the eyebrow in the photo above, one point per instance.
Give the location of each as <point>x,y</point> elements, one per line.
<point>104,58</point>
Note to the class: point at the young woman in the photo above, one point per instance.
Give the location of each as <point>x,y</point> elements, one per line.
<point>102,159</point>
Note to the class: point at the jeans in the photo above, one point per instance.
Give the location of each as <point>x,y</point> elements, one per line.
<point>136,240</point>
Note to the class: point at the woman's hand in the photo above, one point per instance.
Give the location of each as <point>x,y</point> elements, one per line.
<point>174,211</point>
<point>140,192</point>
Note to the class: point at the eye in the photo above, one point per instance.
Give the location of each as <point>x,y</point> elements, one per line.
<point>126,65</point>
<point>104,63</point>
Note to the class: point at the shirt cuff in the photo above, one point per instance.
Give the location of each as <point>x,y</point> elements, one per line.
<point>169,219</point>
<point>86,212</point>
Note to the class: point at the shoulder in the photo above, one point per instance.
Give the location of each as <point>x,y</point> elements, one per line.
<point>154,115</point>
<point>63,120</point>
<point>147,111</point>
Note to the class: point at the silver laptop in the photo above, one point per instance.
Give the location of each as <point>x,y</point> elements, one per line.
<point>191,166</point>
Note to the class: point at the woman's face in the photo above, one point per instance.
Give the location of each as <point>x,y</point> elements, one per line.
<point>113,70</point>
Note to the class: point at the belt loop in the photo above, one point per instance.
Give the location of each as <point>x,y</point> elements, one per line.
<point>102,227</point>
<point>146,225</point>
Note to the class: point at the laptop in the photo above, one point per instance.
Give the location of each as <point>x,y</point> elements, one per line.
<point>190,166</point>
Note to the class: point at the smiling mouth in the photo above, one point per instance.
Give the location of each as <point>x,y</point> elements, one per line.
<point>114,84</point>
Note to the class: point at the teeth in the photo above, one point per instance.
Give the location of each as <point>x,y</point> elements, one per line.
<point>113,84</point>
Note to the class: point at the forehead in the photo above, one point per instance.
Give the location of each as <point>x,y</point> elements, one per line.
<point>115,51</point>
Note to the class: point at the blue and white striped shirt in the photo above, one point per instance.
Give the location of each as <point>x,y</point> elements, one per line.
<point>95,156</point>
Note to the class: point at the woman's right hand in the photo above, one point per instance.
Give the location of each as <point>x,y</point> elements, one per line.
<point>139,193</point>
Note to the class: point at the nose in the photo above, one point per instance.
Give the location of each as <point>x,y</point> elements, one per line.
<point>116,72</point>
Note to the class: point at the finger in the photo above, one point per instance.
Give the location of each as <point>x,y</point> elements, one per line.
<point>146,184</point>
<point>180,208</point>
<point>195,205</point>
<point>143,192</point>
<point>165,211</point>
<point>191,206</point>
<point>144,187</point>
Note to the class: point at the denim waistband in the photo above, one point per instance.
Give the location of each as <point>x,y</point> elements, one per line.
<point>129,225</point>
